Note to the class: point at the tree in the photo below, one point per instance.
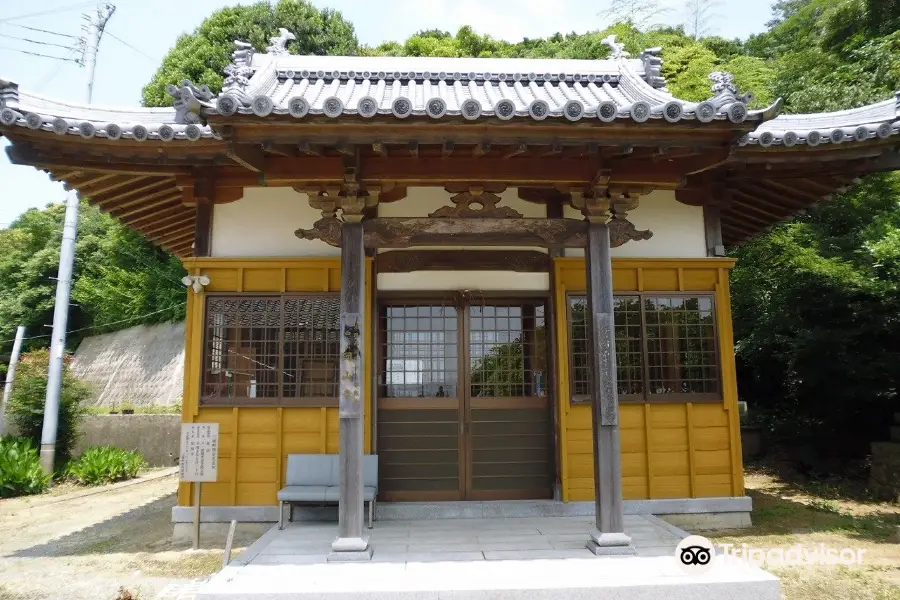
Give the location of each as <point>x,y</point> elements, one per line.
<point>640,13</point>
<point>203,55</point>
<point>699,14</point>
<point>119,277</point>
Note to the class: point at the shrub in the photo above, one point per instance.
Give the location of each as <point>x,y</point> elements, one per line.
<point>20,469</point>
<point>105,464</point>
<point>26,403</point>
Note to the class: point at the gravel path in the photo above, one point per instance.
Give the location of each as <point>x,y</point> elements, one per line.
<point>86,545</point>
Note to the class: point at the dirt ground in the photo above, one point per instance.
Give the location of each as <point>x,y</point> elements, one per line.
<point>56,546</point>
<point>789,510</point>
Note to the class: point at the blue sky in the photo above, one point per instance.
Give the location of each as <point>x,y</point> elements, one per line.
<point>146,29</point>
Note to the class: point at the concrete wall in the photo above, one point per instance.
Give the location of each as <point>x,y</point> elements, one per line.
<point>142,366</point>
<point>155,436</point>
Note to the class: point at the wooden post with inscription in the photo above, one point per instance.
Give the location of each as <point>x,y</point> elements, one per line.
<point>350,544</point>
<point>609,536</point>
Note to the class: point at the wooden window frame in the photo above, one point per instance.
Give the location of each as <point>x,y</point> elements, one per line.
<point>645,397</point>
<point>280,401</point>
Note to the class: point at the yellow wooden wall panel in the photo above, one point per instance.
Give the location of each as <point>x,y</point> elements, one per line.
<point>257,444</point>
<point>708,486</point>
<point>262,280</point>
<point>256,494</point>
<point>662,457</point>
<point>664,279</point>
<point>254,441</point>
<point>257,470</point>
<point>712,462</point>
<point>222,280</point>
<point>699,280</point>
<point>310,279</point>
<point>711,438</point>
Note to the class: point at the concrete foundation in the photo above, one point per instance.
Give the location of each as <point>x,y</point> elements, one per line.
<point>156,437</point>
<point>709,521</point>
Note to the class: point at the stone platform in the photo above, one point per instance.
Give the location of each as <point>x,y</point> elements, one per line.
<point>524,558</point>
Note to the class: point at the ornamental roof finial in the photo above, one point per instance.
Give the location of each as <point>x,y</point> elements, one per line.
<point>723,82</point>
<point>278,43</point>
<point>239,71</point>
<point>616,49</point>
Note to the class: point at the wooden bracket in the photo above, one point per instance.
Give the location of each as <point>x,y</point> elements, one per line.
<point>249,157</point>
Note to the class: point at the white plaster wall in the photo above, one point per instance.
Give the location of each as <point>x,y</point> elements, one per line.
<point>678,229</point>
<point>464,280</point>
<point>262,224</point>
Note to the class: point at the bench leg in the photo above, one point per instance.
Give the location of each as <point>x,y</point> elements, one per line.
<point>281,515</point>
<point>371,512</point>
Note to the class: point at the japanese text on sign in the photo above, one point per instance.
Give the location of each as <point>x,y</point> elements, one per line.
<point>199,451</point>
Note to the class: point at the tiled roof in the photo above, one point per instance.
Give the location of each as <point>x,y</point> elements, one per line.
<point>880,120</point>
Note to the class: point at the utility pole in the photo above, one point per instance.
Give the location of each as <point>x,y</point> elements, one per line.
<point>96,25</point>
<point>11,376</point>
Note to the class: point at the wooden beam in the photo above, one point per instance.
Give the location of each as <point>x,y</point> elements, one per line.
<point>162,228</point>
<point>407,261</point>
<point>142,199</point>
<point>447,149</point>
<point>279,149</point>
<point>154,220</point>
<point>554,149</point>
<point>413,148</point>
<point>519,148</point>
<point>249,157</point>
<point>801,189</point>
<point>345,149</point>
<point>616,151</point>
<point>380,149</point>
<point>118,182</point>
<point>152,186</point>
<point>481,149</point>
<point>779,207</point>
<point>176,237</point>
<point>309,149</point>
<point>160,206</point>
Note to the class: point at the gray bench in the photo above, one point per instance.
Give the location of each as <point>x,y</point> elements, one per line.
<point>316,479</point>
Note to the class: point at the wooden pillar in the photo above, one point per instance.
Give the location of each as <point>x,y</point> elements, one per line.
<point>712,219</point>
<point>609,537</point>
<point>350,544</point>
<point>204,198</point>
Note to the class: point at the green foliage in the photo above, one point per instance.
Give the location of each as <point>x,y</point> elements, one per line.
<point>20,469</point>
<point>106,464</point>
<point>203,55</point>
<point>118,276</point>
<point>26,403</point>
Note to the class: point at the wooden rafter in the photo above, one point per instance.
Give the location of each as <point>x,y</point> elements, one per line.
<point>248,156</point>
<point>136,195</point>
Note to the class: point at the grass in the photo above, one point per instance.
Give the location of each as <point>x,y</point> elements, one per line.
<point>789,509</point>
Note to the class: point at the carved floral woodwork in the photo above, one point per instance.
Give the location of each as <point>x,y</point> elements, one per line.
<point>462,225</point>
<point>476,196</point>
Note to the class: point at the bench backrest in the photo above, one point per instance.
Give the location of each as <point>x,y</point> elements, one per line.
<point>313,469</point>
<point>325,470</point>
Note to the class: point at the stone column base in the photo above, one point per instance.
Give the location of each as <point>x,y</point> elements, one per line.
<point>350,550</point>
<point>610,544</point>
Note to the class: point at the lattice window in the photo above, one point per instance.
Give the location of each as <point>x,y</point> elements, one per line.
<point>420,352</point>
<point>274,350</point>
<point>507,350</point>
<point>629,355</point>
<point>681,345</point>
<point>665,346</point>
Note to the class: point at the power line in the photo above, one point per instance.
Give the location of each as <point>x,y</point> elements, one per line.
<point>121,41</point>
<point>39,42</point>
<point>150,314</point>
<point>44,12</point>
<point>51,74</point>
<point>78,62</point>
<point>66,35</point>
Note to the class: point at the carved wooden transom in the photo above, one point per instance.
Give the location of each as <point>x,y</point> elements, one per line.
<point>476,204</point>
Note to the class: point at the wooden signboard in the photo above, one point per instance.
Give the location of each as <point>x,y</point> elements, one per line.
<point>199,451</point>
<point>199,462</point>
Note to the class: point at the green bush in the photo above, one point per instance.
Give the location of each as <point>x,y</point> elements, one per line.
<point>20,469</point>
<point>26,403</point>
<point>105,464</point>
